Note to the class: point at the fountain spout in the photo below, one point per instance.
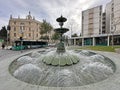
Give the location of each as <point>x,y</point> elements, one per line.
<point>61,31</point>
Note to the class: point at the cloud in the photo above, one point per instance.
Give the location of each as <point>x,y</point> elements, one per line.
<point>49,10</point>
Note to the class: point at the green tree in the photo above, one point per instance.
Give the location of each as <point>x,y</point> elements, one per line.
<point>45,30</point>
<point>3,33</point>
<point>75,35</point>
<point>55,36</point>
<point>44,37</point>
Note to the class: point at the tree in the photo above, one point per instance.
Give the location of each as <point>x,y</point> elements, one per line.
<point>55,36</point>
<point>44,37</point>
<point>3,33</point>
<point>75,35</point>
<point>45,29</point>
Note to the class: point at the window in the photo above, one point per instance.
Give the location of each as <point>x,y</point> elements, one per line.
<point>14,34</point>
<point>29,29</point>
<point>21,23</point>
<point>37,29</point>
<point>21,28</point>
<point>82,17</point>
<point>14,28</point>
<point>29,34</point>
<point>15,22</point>
<point>29,23</point>
<point>36,35</point>
<point>100,13</point>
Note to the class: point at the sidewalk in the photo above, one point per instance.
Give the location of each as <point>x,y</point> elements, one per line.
<point>117,50</point>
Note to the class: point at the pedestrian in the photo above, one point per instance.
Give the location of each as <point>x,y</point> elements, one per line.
<point>3,46</point>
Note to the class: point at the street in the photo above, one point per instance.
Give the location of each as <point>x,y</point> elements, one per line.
<point>5,54</point>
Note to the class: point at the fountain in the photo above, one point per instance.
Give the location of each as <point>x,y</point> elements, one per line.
<point>62,68</point>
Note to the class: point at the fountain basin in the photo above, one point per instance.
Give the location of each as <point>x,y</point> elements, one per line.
<point>72,68</point>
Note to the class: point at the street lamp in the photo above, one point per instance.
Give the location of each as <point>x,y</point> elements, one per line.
<point>112,31</point>
<point>21,38</point>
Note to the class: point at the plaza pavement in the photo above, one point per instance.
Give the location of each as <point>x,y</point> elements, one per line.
<point>118,50</point>
<point>5,53</point>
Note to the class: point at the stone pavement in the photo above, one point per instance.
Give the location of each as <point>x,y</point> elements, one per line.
<point>6,54</point>
<point>117,50</point>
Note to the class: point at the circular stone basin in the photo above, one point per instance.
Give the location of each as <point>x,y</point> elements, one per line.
<point>72,68</point>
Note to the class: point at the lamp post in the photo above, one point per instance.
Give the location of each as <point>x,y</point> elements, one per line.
<point>21,38</point>
<point>112,32</point>
<point>112,38</point>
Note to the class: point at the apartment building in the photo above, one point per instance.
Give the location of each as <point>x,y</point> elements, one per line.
<point>100,28</point>
<point>92,21</point>
<point>28,28</point>
<point>109,16</point>
<point>116,16</point>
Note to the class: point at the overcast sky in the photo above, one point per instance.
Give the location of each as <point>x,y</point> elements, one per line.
<point>49,10</point>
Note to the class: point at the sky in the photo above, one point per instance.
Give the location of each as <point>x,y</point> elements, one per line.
<point>49,10</point>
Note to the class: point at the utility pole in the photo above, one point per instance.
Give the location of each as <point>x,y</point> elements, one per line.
<point>21,38</point>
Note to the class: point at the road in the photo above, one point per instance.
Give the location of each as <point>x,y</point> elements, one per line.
<point>4,54</point>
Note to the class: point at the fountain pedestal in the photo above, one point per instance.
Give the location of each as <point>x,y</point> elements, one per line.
<point>61,31</point>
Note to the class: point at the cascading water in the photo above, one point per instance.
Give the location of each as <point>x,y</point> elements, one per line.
<point>62,68</point>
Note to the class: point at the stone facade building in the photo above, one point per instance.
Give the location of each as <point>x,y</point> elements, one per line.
<point>28,28</point>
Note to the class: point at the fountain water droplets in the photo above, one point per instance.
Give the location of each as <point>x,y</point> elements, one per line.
<point>97,69</point>
<point>28,73</point>
<point>35,54</point>
<point>24,60</point>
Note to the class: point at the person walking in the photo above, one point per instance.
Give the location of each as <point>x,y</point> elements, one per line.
<point>3,46</point>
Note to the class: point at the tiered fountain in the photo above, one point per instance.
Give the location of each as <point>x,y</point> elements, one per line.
<point>61,60</point>
<point>62,68</point>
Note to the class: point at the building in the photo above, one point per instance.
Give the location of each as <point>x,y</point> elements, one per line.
<point>113,17</point>
<point>116,16</point>
<point>28,28</point>
<point>113,20</point>
<point>91,21</point>
<point>100,28</point>
<point>109,16</point>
